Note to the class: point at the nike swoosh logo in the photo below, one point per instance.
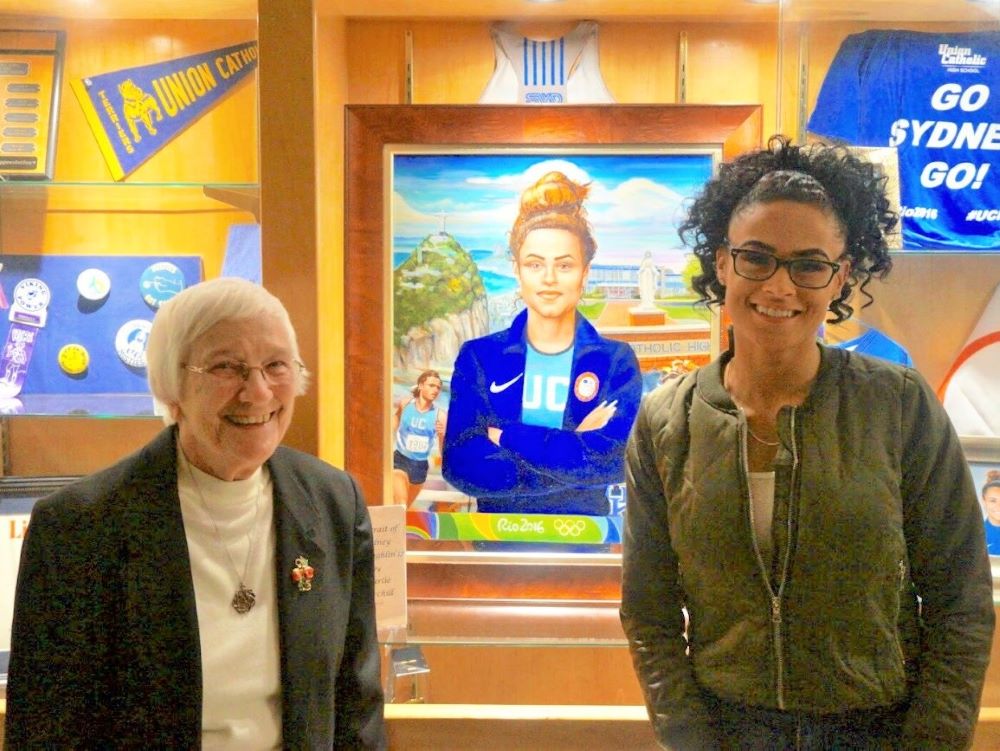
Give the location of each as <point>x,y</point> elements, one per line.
<point>495,389</point>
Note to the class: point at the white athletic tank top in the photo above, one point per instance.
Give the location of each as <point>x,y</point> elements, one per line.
<point>565,70</point>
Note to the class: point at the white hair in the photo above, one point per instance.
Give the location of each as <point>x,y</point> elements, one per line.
<point>184,318</point>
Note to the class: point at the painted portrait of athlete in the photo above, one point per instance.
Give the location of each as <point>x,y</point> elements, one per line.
<point>991,506</point>
<point>417,424</point>
<point>540,411</point>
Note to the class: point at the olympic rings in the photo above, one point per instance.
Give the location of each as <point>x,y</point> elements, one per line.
<point>569,527</point>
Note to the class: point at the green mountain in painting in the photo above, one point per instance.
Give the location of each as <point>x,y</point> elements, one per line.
<point>438,279</point>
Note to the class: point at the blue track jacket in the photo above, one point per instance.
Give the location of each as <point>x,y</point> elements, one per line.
<point>537,469</point>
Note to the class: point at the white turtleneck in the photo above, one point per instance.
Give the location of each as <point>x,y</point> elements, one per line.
<point>240,657</point>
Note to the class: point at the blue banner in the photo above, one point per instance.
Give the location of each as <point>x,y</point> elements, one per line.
<point>135,112</point>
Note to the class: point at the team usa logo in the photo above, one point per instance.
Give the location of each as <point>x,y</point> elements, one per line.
<point>586,386</point>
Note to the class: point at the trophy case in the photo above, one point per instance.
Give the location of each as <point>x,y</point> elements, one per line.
<point>128,169</point>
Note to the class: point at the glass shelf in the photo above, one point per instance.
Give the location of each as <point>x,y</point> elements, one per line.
<point>151,197</point>
<point>79,405</point>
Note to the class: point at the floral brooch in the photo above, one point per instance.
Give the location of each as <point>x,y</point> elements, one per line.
<point>303,574</point>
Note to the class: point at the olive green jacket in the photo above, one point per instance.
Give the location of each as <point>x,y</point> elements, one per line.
<point>874,508</point>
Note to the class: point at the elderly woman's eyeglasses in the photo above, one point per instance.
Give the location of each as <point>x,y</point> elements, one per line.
<point>757,265</point>
<point>276,372</point>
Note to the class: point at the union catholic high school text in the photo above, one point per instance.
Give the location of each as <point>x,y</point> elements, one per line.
<point>179,90</point>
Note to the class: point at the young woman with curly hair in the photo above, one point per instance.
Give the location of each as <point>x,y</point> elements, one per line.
<point>804,558</point>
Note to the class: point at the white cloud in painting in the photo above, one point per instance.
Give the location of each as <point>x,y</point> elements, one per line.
<point>630,218</point>
<point>410,222</point>
<point>518,181</point>
<point>632,200</point>
<point>635,216</point>
<point>637,199</point>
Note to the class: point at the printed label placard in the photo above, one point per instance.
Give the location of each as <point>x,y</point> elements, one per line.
<point>389,537</point>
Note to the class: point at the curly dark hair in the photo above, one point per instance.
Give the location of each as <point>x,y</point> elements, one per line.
<point>853,191</point>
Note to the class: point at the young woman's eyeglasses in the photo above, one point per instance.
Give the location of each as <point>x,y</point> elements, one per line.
<point>810,273</point>
<point>276,372</point>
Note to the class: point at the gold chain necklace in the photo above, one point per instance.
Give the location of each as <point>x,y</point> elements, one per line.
<point>761,441</point>
<point>245,597</point>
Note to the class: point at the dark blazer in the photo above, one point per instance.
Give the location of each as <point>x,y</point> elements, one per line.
<point>105,647</point>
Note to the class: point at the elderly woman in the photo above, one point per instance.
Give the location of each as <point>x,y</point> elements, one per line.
<point>214,589</point>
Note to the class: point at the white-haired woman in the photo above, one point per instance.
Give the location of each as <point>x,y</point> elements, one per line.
<point>214,589</point>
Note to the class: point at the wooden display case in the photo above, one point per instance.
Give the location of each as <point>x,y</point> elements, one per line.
<point>181,201</point>
<point>327,54</point>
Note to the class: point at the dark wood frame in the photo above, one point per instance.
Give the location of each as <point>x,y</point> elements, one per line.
<point>370,128</point>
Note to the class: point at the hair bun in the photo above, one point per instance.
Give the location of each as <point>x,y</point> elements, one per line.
<point>553,191</point>
<point>993,475</point>
<point>554,201</point>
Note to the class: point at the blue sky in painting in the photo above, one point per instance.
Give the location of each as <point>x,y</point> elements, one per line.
<point>636,198</point>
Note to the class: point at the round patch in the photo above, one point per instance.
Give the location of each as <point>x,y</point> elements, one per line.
<point>159,282</point>
<point>130,342</point>
<point>32,295</point>
<point>93,284</point>
<point>74,359</point>
<point>586,386</point>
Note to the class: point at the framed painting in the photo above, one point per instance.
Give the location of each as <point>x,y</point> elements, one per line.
<point>445,308</point>
<point>455,278</point>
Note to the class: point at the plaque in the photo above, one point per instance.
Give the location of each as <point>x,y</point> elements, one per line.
<point>30,73</point>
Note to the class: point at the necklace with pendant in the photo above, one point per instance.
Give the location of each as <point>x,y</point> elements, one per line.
<point>245,597</point>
